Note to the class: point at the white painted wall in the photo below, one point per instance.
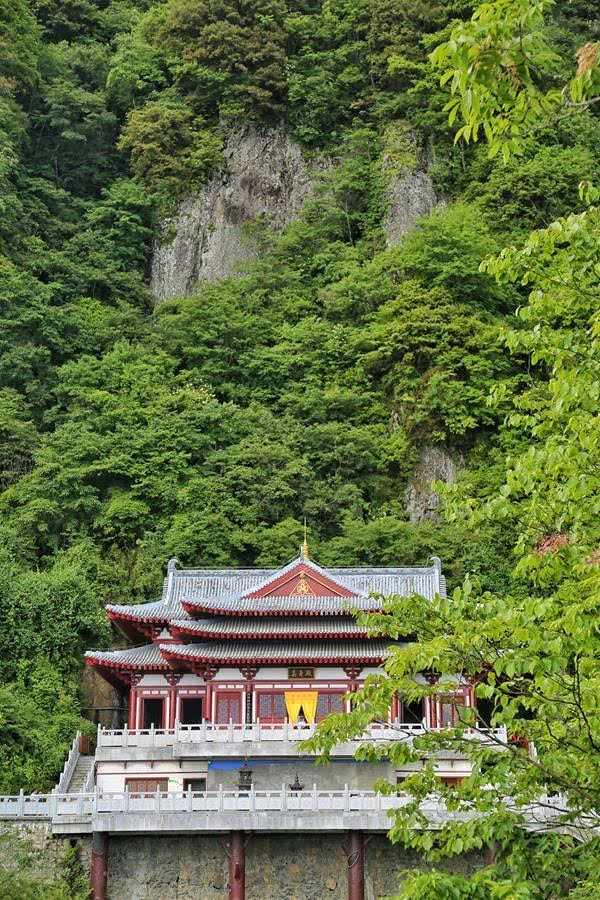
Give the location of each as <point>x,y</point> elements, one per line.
<point>111,775</point>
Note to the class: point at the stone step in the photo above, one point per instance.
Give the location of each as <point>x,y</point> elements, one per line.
<point>82,769</point>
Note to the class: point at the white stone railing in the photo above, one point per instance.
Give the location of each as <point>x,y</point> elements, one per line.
<point>69,766</point>
<point>88,785</point>
<point>259,732</point>
<point>89,806</point>
<point>55,805</point>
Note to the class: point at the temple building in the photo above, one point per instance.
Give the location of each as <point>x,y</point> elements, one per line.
<point>232,667</point>
<point>206,789</point>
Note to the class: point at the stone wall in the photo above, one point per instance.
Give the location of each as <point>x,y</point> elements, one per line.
<point>278,867</point>
<point>195,867</point>
<point>31,849</point>
<point>268,775</point>
<point>186,867</point>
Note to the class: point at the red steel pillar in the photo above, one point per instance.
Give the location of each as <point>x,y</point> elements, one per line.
<point>356,865</point>
<point>99,870</point>
<point>237,865</point>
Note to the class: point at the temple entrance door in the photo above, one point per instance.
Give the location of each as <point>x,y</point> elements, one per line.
<point>191,710</point>
<point>229,707</point>
<point>153,712</point>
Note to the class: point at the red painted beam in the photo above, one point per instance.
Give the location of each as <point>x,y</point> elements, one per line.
<point>356,865</point>
<point>99,868</point>
<point>237,865</point>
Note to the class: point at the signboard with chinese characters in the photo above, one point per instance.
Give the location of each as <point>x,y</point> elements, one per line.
<point>301,672</point>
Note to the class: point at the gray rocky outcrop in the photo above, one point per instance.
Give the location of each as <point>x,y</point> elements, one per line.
<point>435,464</point>
<point>265,177</point>
<point>410,195</point>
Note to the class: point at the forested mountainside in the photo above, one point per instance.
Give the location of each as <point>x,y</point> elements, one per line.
<point>312,383</point>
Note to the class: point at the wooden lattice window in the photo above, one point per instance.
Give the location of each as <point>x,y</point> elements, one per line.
<point>271,707</point>
<point>229,708</point>
<point>328,702</point>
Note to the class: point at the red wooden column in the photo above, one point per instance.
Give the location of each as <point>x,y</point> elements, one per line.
<point>237,865</point>
<point>207,673</point>
<point>355,851</point>
<point>173,679</point>
<point>99,868</point>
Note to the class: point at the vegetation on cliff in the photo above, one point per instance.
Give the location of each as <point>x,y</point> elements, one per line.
<point>532,657</point>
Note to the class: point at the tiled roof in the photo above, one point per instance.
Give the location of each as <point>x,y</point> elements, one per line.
<point>296,605</point>
<point>147,657</point>
<point>212,584</point>
<point>272,651</point>
<point>269,627</point>
<point>156,611</point>
<point>222,591</point>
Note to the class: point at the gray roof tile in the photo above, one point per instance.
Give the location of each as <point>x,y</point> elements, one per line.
<point>148,656</point>
<point>269,627</point>
<point>273,651</point>
<point>299,604</point>
<point>224,590</point>
<point>208,584</point>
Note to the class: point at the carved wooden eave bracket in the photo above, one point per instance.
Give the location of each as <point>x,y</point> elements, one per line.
<point>249,672</point>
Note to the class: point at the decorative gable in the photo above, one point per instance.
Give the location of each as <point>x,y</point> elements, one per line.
<point>301,580</point>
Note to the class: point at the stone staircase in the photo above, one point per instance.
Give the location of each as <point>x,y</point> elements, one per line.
<point>78,778</point>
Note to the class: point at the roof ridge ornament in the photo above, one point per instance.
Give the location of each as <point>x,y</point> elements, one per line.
<point>172,564</point>
<point>304,548</point>
<point>303,587</point>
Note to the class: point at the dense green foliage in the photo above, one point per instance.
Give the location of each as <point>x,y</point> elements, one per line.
<point>533,657</point>
<point>28,876</point>
<point>209,427</point>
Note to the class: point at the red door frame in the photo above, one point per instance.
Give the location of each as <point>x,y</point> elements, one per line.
<point>163,698</point>
<point>462,696</point>
<point>229,695</point>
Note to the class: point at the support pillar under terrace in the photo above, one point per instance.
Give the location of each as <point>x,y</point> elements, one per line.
<point>355,851</point>
<point>99,869</point>
<point>237,865</point>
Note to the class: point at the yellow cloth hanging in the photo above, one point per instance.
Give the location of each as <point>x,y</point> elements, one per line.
<point>293,704</point>
<point>301,700</point>
<point>309,706</point>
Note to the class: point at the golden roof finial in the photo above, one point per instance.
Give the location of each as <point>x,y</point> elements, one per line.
<point>305,553</point>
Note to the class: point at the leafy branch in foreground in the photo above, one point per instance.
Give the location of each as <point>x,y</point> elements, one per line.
<point>505,78</point>
<point>534,661</point>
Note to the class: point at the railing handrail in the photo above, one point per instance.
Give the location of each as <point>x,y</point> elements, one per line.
<point>238,732</point>
<point>69,766</point>
<point>88,785</point>
<point>341,800</point>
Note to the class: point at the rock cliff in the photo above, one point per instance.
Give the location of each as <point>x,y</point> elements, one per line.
<point>265,176</point>
<point>435,464</point>
<point>410,195</point>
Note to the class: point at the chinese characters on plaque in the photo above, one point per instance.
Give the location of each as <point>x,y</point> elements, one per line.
<point>301,672</point>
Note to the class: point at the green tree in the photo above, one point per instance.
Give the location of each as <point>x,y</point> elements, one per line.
<point>533,658</point>
<point>170,151</point>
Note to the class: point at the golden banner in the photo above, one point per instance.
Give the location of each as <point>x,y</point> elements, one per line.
<point>301,700</point>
